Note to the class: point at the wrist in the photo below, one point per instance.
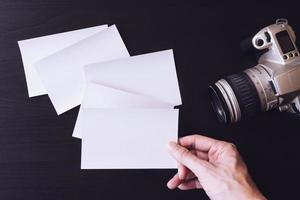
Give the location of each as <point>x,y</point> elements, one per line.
<point>236,190</point>
<point>255,195</point>
<point>247,190</point>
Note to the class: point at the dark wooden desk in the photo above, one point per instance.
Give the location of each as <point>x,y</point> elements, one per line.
<point>39,159</point>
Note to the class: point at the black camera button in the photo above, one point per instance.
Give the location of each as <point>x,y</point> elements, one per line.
<point>291,55</point>
<point>285,57</point>
<point>259,42</point>
<point>268,37</point>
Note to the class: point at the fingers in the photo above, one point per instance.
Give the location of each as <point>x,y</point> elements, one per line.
<point>191,184</point>
<point>187,158</point>
<point>176,181</point>
<point>183,171</point>
<point>200,154</point>
<point>197,142</point>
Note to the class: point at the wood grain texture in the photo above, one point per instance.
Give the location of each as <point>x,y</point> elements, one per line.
<point>40,160</point>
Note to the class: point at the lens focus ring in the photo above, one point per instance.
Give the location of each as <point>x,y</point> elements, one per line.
<point>245,93</point>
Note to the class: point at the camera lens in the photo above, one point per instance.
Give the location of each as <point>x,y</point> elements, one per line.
<point>219,105</point>
<point>234,97</point>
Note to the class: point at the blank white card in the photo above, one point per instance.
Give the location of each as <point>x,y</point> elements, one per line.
<point>153,75</point>
<point>128,138</point>
<point>63,72</point>
<point>98,96</point>
<point>35,49</point>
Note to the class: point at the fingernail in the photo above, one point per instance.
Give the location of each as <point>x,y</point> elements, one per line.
<point>170,186</point>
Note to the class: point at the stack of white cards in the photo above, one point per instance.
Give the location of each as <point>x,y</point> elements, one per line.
<point>126,116</point>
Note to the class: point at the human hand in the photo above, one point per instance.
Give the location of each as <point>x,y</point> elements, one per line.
<point>213,165</point>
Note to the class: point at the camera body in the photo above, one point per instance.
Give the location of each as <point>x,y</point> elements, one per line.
<point>274,83</point>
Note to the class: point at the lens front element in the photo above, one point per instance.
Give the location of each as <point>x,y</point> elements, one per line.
<point>218,104</point>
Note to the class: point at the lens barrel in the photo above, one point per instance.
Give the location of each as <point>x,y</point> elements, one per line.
<point>234,98</point>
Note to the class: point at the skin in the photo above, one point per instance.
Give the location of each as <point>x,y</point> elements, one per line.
<point>213,165</point>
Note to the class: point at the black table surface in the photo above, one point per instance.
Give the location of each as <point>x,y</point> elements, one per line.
<point>40,160</point>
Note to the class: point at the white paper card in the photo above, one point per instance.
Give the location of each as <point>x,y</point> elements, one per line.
<point>98,96</point>
<point>128,139</point>
<point>35,49</point>
<point>152,75</point>
<point>62,73</point>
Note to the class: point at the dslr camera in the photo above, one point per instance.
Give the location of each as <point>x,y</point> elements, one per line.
<point>274,83</point>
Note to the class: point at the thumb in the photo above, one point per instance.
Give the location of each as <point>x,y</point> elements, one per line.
<point>188,159</point>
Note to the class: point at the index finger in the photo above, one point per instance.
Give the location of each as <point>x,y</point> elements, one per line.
<point>197,142</point>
